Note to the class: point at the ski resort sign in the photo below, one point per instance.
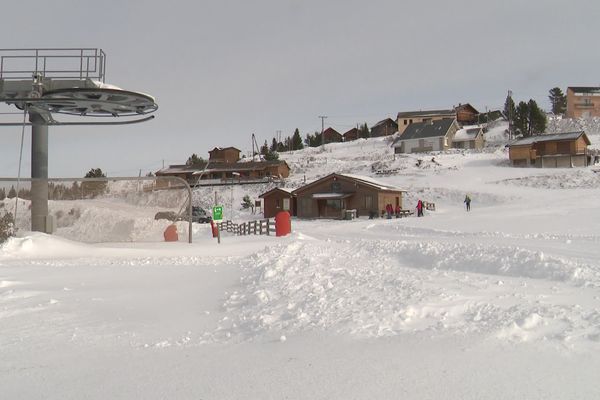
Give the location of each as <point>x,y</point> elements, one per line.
<point>217,213</point>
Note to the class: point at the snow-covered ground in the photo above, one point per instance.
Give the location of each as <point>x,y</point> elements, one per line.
<point>500,302</point>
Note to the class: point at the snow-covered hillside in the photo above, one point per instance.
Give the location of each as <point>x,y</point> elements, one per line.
<point>499,302</point>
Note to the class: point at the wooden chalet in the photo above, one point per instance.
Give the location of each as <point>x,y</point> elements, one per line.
<point>330,135</point>
<point>225,166</point>
<point>466,114</point>
<point>406,118</point>
<point>224,155</point>
<point>468,137</point>
<point>432,135</point>
<point>583,102</point>
<point>385,127</point>
<point>561,150</point>
<point>332,195</point>
<point>351,135</point>
<point>276,200</point>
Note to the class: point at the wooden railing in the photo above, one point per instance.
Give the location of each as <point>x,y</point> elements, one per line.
<point>429,206</point>
<point>256,227</point>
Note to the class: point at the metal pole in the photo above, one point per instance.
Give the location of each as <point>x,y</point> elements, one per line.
<point>39,172</point>
<point>322,128</point>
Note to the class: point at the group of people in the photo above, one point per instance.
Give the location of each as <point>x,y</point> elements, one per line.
<point>391,211</point>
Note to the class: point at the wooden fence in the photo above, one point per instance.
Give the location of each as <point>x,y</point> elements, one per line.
<point>256,227</point>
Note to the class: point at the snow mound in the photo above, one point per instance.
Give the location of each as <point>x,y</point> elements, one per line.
<point>373,288</point>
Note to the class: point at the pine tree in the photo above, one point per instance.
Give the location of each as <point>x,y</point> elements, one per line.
<point>537,118</point>
<point>194,160</point>
<point>297,141</point>
<point>509,108</point>
<point>264,149</point>
<point>2,193</point>
<point>97,188</point>
<point>272,156</point>
<point>558,101</point>
<point>12,193</point>
<point>363,131</point>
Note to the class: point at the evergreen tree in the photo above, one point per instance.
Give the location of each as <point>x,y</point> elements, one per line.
<point>297,141</point>
<point>363,131</point>
<point>558,101</point>
<point>537,118</point>
<point>529,118</point>
<point>271,156</point>
<point>96,188</point>
<point>264,149</point>
<point>2,193</point>
<point>509,108</point>
<point>274,145</point>
<point>12,193</point>
<point>194,160</point>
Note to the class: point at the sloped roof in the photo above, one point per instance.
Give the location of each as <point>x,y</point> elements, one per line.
<point>466,134</point>
<point>426,113</point>
<point>352,131</point>
<point>584,89</point>
<point>224,148</point>
<point>422,130</point>
<point>465,106</point>
<point>277,189</point>
<point>549,138</point>
<point>383,122</point>
<point>363,180</point>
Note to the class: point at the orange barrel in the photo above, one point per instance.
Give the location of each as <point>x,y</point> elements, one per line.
<point>171,233</point>
<point>283,223</point>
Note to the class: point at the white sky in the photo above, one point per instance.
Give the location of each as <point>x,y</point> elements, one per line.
<point>222,70</point>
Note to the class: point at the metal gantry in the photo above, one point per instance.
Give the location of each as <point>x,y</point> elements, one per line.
<point>50,81</point>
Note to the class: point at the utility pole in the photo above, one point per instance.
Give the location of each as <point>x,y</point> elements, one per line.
<point>510,116</point>
<point>322,128</point>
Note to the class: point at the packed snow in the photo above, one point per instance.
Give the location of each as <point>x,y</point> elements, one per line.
<point>499,302</point>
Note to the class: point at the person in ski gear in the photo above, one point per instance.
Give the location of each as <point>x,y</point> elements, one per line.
<point>420,209</point>
<point>397,211</point>
<point>468,202</point>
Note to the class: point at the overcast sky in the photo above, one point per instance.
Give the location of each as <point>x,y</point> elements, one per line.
<point>222,70</point>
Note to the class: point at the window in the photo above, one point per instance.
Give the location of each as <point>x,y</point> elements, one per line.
<point>335,204</point>
<point>277,205</point>
<point>368,201</point>
<point>405,122</point>
<point>286,204</point>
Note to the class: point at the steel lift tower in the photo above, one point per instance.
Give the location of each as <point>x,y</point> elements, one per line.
<point>46,82</point>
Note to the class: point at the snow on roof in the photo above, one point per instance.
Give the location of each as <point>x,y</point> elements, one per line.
<point>546,138</point>
<point>465,134</point>
<point>371,181</point>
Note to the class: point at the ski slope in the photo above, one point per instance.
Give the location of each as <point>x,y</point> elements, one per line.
<point>500,302</point>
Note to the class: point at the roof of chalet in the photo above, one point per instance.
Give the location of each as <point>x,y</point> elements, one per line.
<point>352,131</point>
<point>584,89</point>
<point>467,133</point>
<point>383,122</point>
<point>330,130</point>
<point>549,138</point>
<point>422,130</point>
<point>363,180</point>
<point>466,105</point>
<point>224,148</point>
<point>277,189</point>
<point>219,167</point>
<point>426,113</point>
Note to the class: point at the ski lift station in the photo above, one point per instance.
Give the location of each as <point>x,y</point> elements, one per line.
<point>45,83</point>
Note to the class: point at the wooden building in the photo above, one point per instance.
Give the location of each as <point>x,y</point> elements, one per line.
<point>406,118</point>
<point>433,135</point>
<point>385,127</point>
<point>276,200</point>
<point>330,135</point>
<point>466,114</point>
<point>351,135</point>
<point>468,137</point>
<point>562,150</point>
<point>332,195</point>
<point>224,155</point>
<point>583,102</point>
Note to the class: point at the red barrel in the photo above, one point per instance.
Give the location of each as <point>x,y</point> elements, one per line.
<point>214,228</point>
<point>283,223</point>
<point>171,234</point>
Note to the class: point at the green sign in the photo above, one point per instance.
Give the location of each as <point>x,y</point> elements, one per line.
<point>217,213</point>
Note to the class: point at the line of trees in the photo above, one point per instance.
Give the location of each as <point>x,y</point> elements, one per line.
<point>527,118</point>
